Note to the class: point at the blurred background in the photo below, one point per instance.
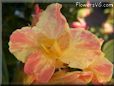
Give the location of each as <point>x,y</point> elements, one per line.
<point>98,20</point>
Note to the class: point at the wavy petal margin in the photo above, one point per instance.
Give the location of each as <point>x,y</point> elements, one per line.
<point>51,22</point>
<point>102,69</point>
<point>23,42</point>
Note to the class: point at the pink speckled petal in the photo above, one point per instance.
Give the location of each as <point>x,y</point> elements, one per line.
<point>51,22</point>
<point>83,49</point>
<point>40,67</point>
<point>102,69</point>
<point>22,42</point>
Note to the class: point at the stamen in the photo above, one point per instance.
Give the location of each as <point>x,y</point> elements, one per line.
<point>45,49</point>
<point>57,48</point>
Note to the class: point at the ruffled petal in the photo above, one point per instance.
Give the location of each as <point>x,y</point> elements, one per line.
<point>23,42</point>
<point>83,49</point>
<point>51,22</point>
<point>40,67</point>
<point>71,78</point>
<point>102,69</point>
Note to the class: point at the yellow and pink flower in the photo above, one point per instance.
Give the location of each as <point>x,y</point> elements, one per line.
<point>52,45</point>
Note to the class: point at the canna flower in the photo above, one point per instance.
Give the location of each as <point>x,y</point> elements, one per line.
<point>52,45</point>
<point>81,24</point>
<point>36,15</point>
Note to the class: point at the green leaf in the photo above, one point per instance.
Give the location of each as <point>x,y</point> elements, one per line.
<point>20,77</point>
<point>108,49</point>
<point>5,77</point>
<point>18,74</point>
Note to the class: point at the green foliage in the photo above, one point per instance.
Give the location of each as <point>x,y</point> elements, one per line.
<point>5,77</point>
<point>108,49</point>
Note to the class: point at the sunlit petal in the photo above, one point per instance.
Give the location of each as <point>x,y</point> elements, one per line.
<point>23,42</point>
<point>84,48</point>
<point>40,67</point>
<point>52,22</point>
<point>102,69</point>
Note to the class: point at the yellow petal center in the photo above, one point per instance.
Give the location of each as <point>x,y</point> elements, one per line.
<point>50,47</point>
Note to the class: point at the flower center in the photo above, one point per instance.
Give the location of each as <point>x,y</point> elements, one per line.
<point>50,48</point>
